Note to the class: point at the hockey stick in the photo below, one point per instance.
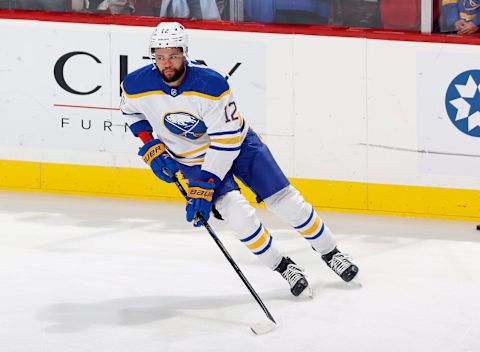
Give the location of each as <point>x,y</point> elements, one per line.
<point>260,327</point>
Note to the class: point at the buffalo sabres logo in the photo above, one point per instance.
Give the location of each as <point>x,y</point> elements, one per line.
<point>184,124</point>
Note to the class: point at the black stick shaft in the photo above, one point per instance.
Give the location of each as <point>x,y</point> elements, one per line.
<point>222,248</point>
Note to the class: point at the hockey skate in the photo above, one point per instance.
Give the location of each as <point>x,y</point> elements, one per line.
<point>295,277</point>
<point>340,263</point>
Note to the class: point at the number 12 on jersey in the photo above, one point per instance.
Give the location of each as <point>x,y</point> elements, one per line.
<point>231,113</point>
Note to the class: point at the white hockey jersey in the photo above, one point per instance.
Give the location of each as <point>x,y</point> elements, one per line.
<point>198,121</point>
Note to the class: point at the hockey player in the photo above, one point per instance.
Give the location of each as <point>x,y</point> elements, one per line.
<point>461,15</point>
<point>198,130</point>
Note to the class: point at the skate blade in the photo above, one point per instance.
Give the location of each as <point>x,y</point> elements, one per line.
<point>355,282</point>
<point>307,293</point>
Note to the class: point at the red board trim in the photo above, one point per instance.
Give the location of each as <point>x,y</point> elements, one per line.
<point>147,21</point>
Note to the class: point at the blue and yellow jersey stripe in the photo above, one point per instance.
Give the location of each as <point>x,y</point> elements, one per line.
<point>189,93</point>
<point>206,96</point>
<point>228,140</point>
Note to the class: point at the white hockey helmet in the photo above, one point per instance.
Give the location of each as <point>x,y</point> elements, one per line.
<point>169,35</point>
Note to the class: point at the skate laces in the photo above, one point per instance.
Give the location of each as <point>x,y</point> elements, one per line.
<point>340,262</point>
<point>292,274</point>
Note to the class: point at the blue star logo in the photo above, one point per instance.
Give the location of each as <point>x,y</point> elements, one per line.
<point>463,102</point>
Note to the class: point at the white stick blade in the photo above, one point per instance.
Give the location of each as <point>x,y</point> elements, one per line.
<point>263,327</point>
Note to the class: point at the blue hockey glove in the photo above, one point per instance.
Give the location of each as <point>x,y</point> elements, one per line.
<point>199,200</point>
<point>155,154</point>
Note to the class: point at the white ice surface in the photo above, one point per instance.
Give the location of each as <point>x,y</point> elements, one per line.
<point>81,274</point>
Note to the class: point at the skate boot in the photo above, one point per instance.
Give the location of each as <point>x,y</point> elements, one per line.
<point>294,276</point>
<point>340,263</point>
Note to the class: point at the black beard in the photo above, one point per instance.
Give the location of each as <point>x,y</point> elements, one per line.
<point>175,77</point>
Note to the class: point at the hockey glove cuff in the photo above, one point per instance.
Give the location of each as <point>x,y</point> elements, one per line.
<point>155,154</point>
<point>199,200</point>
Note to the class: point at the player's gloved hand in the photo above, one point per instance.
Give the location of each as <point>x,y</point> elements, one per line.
<point>199,200</point>
<point>155,154</point>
